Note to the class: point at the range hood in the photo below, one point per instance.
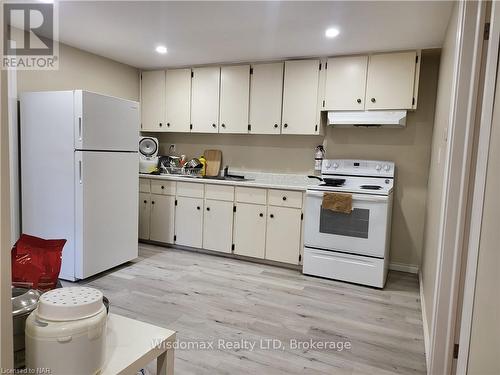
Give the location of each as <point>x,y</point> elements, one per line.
<point>394,119</point>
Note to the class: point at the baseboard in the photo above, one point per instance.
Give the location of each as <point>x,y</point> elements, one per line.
<point>410,268</point>
<point>424,321</point>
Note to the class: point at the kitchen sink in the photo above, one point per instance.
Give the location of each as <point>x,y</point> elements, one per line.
<point>228,178</point>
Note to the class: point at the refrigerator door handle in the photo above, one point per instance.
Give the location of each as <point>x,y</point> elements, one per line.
<point>80,129</point>
<point>80,172</point>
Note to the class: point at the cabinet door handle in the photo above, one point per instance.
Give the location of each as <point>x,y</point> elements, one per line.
<point>168,124</point>
<point>145,201</point>
<point>214,126</point>
<point>284,198</point>
<point>261,214</point>
<point>163,187</point>
<point>223,125</point>
<point>271,216</point>
<point>373,100</point>
<point>198,207</point>
<point>285,125</point>
<point>275,125</point>
<point>152,202</point>
<point>208,208</point>
<point>161,124</point>
<point>359,101</point>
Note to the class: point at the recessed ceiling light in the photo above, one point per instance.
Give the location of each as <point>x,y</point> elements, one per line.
<point>161,49</point>
<point>332,32</point>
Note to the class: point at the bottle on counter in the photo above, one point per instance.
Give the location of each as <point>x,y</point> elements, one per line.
<point>318,157</point>
<point>203,161</point>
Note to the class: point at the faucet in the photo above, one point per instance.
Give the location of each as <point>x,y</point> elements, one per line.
<point>226,171</point>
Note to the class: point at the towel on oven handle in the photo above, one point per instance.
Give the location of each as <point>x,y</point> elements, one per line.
<point>337,202</point>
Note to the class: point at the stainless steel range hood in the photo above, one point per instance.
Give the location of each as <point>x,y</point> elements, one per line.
<point>394,119</point>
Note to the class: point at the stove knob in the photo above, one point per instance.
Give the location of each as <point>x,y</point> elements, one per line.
<point>335,165</point>
<point>386,167</point>
<point>378,167</point>
<point>328,164</point>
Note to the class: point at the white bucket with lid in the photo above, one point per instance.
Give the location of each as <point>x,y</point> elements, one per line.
<point>67,332</point>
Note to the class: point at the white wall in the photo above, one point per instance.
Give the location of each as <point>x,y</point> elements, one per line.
<point>484,350</point>
<point>436,171</point>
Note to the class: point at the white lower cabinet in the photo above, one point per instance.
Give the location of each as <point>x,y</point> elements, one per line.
<point>144,215</point>
<point>161,227</point>
<point>283,234</point>
<point>218,225</point>
<point>249,236</point>
<point>189,222</point>
<point>253,222</point>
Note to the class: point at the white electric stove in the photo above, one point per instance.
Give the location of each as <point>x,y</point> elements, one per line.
<point>350,247</point>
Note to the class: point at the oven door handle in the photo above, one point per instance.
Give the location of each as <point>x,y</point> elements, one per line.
<point>356,197</point>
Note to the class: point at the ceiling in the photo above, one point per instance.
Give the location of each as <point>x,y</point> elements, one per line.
<point>198,33</point>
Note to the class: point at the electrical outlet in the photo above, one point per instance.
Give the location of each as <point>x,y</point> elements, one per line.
<point>171,148</point>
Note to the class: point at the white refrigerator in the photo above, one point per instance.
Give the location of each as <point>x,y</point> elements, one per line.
<point>79,176</point>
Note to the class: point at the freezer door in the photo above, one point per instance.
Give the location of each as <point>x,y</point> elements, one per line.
<point>105,123</point>
<point>106,210</point>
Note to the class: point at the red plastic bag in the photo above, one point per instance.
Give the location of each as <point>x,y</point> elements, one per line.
<point>36,262</point>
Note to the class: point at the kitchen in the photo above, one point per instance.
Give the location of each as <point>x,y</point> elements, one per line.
<point>241,244</point>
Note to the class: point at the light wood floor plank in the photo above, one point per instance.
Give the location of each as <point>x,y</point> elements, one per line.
<point>205,297</point>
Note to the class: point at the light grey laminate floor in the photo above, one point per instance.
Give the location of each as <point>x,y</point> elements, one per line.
<point>207,298</point>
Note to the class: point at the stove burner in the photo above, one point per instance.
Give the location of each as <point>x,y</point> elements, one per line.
<point>332,184</point>
<point>371,187</point>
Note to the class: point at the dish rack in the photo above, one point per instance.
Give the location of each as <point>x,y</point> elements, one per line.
<point>183,171</point>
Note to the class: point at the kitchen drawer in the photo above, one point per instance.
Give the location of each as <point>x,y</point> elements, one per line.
<point>219,192</point>
<point>285,198</point>
<point>251,195</point>
<point>144,185</point>
<point>190,189</point>
<point>163,187</point>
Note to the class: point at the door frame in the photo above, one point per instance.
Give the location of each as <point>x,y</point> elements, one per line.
<point>476,211</point>
<point>469,40</point>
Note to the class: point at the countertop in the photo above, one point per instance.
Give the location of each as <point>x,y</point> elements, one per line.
<point>257,179</point>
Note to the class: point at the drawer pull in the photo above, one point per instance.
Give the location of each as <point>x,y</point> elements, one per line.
<point>284,198</point>
<point>261,214</point>
<point>271,216</point>
<point>145,201</point>
<point>163,187</point>
<point>208,208</point>
<point>152,202</point>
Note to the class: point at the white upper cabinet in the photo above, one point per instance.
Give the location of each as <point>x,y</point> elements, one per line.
<point>390,81</point>
<point>153,100</point>
<point>234,98</point>
<point>178,100</point>
<point>345,83</point>
<point>266,95</point>
<point>205,100</point>
<point>300,97</point>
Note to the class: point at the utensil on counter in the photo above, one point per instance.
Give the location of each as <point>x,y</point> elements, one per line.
<point>330,181</point>
<point>194,163</point>
<point>214,160</point>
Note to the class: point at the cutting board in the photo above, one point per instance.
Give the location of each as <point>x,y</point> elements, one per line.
<point>214,159</point>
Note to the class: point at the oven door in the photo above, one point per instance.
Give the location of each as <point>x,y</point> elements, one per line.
<point>364,231</point>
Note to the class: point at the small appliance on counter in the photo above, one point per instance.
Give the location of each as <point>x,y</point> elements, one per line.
<point>24,301</point>
<point>67,332</point>
<point>148,154</point>
<point>348,221</point>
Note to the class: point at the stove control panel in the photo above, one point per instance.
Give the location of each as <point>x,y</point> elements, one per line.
<point>358,167</point>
